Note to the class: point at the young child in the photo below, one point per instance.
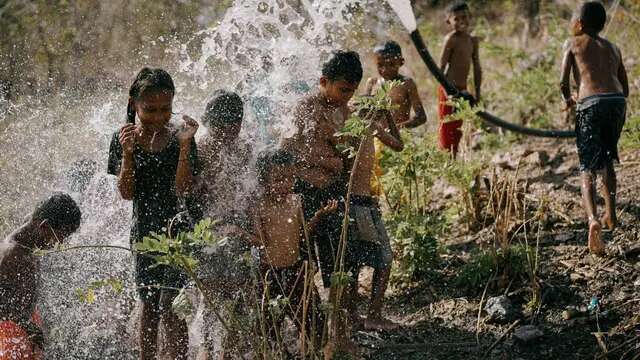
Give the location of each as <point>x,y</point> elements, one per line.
<point>155,163</point>
<point>279,233</point>
<point>51,222</point>
<point>368,241</point>
<point>603,87</point>
<point>223,195</point>
<point>388,58</point>
<point>322,176</point>
<point>460,51</point>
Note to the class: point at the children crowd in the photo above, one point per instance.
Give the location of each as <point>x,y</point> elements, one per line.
<point>295,218</point>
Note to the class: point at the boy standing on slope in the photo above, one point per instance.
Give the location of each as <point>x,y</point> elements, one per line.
<point>603,87</point>
<point>459,52</point>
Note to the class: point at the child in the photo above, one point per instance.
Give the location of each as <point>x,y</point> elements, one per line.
<point>600,113</point>
<point>459,52</point>
<point>368,241</point>
<point>223,196</point>
<point>155,164</point>
<point>388,58</point>
<point>52,221</point>
<point>321,177</point>
<point>279,233</point>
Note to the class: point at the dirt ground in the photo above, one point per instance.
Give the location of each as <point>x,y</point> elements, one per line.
<point>441,321</point>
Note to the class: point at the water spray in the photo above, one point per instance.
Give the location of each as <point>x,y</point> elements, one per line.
<point>405,12</point>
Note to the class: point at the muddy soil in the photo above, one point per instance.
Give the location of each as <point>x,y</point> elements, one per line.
<point>441,321</point>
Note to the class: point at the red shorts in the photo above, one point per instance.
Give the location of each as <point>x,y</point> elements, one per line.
<point>449,133</point>
<point>15,343</point>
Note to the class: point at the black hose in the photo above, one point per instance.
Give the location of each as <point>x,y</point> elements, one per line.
<point>487,117</point>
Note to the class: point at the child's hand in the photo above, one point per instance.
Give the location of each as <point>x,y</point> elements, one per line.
<point>569,104</point>
<point>127,138</point>
<point>332,205</point>
<point>188,129</point>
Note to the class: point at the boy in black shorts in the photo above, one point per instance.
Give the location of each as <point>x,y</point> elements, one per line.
<point>603,87</point>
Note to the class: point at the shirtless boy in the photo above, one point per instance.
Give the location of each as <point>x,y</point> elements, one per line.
<point>279,234</point>
<point>51,222</point>
<point>368,241</point>
<point>321,177</point>
<point>460,51</point>
<point>388,58</point>
<point>224,161</point>
<point>603,87</point>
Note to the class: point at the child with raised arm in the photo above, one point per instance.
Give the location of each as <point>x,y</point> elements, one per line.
<point>405,97</point>
<point>155,164</point>
<point>223,195</point>
<point>279,233</point>
<point>388,58</point>
<point>460,51</point>
<point>603,87</point>
<point>51,222</point>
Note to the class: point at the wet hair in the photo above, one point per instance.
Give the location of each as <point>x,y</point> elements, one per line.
<point>343,65</point>
<point>270,158</point>
<point>457,6</point>
<point>146,81</point>
<point>225,108</point>
<point>389,49</point>
<point>60,211</point>
<point>593,15</point>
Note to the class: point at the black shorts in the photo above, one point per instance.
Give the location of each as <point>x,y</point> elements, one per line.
<point>369,244</point>
<point>326,237</point>
<point>152,281</point>
<point>599,121</point>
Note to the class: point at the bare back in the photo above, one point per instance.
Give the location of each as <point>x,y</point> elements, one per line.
<point>281,230</point>
<point>18,268</point>
<point>598,63</point>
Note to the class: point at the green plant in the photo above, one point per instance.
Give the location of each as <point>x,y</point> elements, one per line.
<point>493,263</point>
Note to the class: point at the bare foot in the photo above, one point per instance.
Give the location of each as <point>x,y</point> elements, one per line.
<point>379,324</point>
<point>596,245</point>
<point>608,222</point>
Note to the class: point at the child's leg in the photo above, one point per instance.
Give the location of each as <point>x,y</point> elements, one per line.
<point>588,190</point>
<point>175,328</point>
<point>609,185</point>
<point>148,328</point>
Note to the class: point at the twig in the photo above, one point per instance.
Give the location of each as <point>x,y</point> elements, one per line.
<point>501,338</point>
<point>601,356</point>
<point>600,341</point>
<point>484,293</point>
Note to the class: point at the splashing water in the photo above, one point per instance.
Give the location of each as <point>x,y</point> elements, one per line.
<point>405,12</point>
<point>268,51</point>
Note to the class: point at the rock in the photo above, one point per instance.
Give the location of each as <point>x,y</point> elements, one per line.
<point>564,237</point>
<point>539,158</point>
<point>504,161</point>
<point>528,334</point>
<point>575,277</point>
<point>637,282</point>
<point>499,309</point>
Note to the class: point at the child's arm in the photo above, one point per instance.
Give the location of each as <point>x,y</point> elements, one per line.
<point>447,50</point>
<point>419,115</point>
<point>368,90</point>
<point>477,69</point>
<point>622,75</point>
<point>568,62</point>
<point>126,181</point>
<point>390,138</point>
<point>184,172</point>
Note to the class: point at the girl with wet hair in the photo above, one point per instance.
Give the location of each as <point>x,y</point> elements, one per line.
<point>155,163</point>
